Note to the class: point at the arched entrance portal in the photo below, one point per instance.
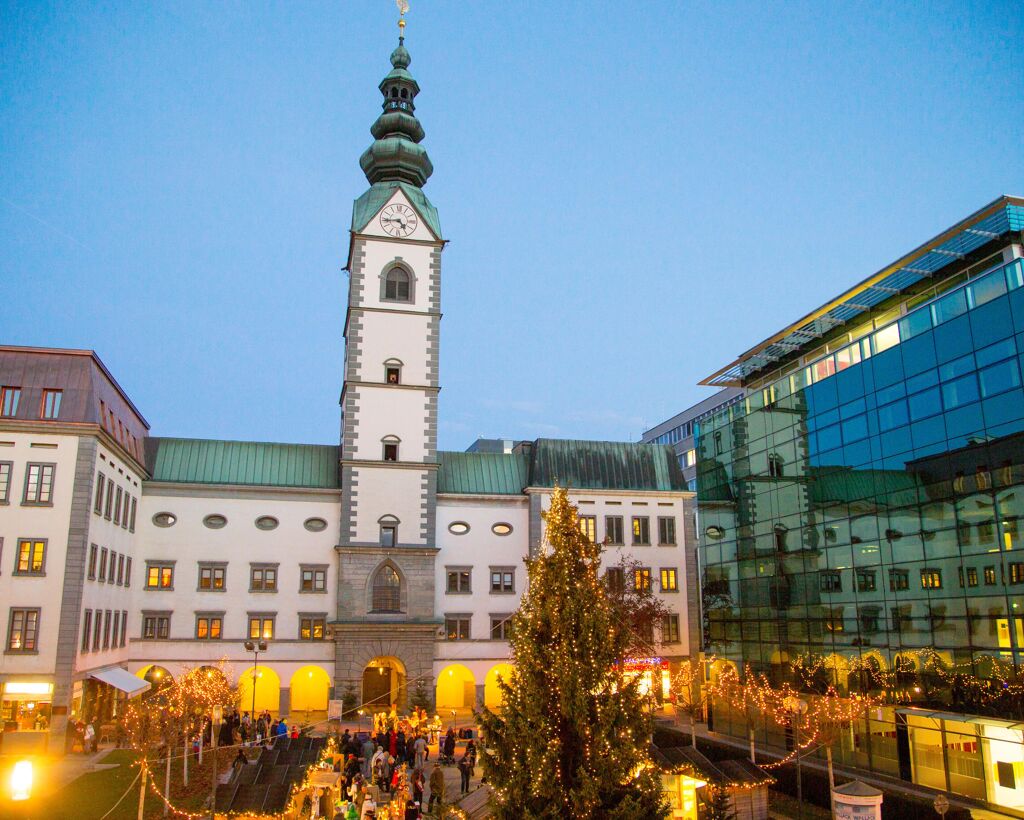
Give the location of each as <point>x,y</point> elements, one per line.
<point>493,697</point>
<point>310,687</point>
<point>456,688</point>
<point>267,689</point>
<point>383,684</point>
<point>157,676</point>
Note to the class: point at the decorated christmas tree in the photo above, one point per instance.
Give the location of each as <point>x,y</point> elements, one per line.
<point>571,740</point>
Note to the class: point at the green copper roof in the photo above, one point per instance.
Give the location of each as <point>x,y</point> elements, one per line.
<point>367,206</point>
<point>605,465</point>
<point>482,473</point>
<point>256,463</point>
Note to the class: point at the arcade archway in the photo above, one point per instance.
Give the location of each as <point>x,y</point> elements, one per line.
<point>383,683</point>
<point>310,687</point>
<point>156,676</point>
<point>267,690</point>
<point>456,688</point>
<point>493,698</point>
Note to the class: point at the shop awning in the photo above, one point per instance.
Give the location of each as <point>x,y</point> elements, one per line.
<point>121,679</point>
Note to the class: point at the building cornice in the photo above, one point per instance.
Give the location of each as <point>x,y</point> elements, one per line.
<point>424,387</point>
<point>74,428</point>
<point>389,465</point>
<point>520,498</point>
<point>176,489</point>
<point>683,494</point>
<point>387,552</point>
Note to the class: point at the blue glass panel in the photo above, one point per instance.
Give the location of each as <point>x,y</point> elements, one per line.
<point>923,405</point>
<point>918,354</point>
<point>829,438</point>
<point>950,306</point>
<point>999,378</point>
<point>964,426</point>
<point>1002,409</point>
<point>997,352</point>
<point>825,395</point>
<point>857,454</point>
<point>915,324</point>
<point>929,378</point>
<point>892,415</point>
<point>1014,275</point>
<point>960,391</point>
<point>953,339</point>
<point>850,383</point>
<point>895,442</point>
<point>991,323</point>
<point>988,287</point>
<point>852,409</point>
<point>928,432</point>
<point>855,429</point>
<point>896,391</point>
<point>887,367</point>
<point>1016,300</point>
<point>956,368</point>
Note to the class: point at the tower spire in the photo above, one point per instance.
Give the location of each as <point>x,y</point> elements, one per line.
<point>396,155</point>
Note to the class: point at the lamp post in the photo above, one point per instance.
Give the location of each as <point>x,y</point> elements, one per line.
<point>255,647</point>
<point>797,708</point>
<point>215,721</point>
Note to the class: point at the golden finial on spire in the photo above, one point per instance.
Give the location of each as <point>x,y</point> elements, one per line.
<point>403,8</point>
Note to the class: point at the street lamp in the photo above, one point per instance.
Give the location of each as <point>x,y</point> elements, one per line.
<point>255,647</point>
<point>798,708</point>
<point>215,721</point>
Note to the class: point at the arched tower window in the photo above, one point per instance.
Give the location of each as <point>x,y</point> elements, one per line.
<point>387,590</point>
<point>396,285</point>
<point>776,465</point>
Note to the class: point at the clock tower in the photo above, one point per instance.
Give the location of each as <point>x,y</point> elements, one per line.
<point>385,626</point>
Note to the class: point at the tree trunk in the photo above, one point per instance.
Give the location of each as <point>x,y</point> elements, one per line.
<point>831,781</point>
<point>693,731</point>
<point>167,783</point>
<point>184,763</point>
<point>750,729</point>
<point>142,789</point>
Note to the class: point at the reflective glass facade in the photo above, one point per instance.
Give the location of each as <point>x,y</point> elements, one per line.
<point>866,513</point>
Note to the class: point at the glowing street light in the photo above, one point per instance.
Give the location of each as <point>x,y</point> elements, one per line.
<point>21,780</point>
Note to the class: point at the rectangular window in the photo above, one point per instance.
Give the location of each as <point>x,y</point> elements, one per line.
<point>391,452</point>
<point>869,620</point>
<point>690,458</point>
<point>615,579</point>
<point>159,576</point>
<point>990,576</point>
<point>124,627</point>
<point>39,483</point>
<point>501,627</point>
<point>208,627</point>
<point>899,579</point>
<point>642,578</point>
<point>262,579</point>
<point>1016,572</point>
<point>670,629</point>
<point>156,627</point>
<point>106,630</point>
<point>503,579</point>
<point>456,627</point>
<point>110,499</point>
<point>114,630</point>
<point>23,632</point>
<point>9,398</point>
<point>865,580</point>
<point>93,551</point>
<point>641,531</point>
<point>31,557</point>
<point>211,578</point>
<point>835,622</point>
<point>120,570</point>
<point>830,581</point>
<point>261,627</point>
<point>98,505</point>
<point>112,567</point>
<point>131,519</point>
<point>667,531</point>
<point>103,565</point>
<point>613,529</point>
<point>86,629</point>
<point>5,481</point>
<point>124,510</point>
<point>931,578</point>
<point>97,630</point>
<point>388,535</point>
<point>459,582</point>
<point>588,526</point>
<point>128,572</point>
<point>312,627</point>
<point>668,580</point>
<point>313,579</point>
<point>117,508</point>
<point>972,576</point>
<point>51,404</point>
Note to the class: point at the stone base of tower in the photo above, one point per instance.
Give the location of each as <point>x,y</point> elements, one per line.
<point>374,659</point>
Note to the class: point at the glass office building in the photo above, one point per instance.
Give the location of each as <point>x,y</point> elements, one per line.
<point>862,511</point>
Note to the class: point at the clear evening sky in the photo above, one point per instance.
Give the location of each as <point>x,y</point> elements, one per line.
<point>634,192</point>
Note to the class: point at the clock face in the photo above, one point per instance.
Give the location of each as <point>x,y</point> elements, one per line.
<point>398,220</point>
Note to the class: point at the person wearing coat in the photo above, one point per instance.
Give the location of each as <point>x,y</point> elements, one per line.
<point>449,744</point>
<point>419,751</point>
<point>465,767</point>
<point>436,789</point>
<point>367,753</point>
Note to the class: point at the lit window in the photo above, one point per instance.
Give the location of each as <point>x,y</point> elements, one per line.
<point>261,627</point>
<point>641,531</point>
<point>31,557</point>
<point>458,528</point>
<point>588,526</point>
<point>208,627</point>
<point>392,374</point>
<point>51,404</point>
<point>1016,572</point>
<point>456,627</point>
<point>23,632</point>
<point>502,528</point>
<point>885,338</point>
<point>642,578</point>
<point>835,622</point>
<point>159,576</point>
<point>39,483</point>
<point>9,398</point>
<point>990,576</point>
<point>931,579</point>
<point>211,578</point>
<point>312,628</point>
<point>690,458</point>
<point>668,580</point>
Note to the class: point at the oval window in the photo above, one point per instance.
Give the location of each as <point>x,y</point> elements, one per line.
<point>458,528</point>
<point>315,524</point>
<point>165,519</point>
<point>215,522</point>
<point>715,532</point>
<point>501,528</point>
<point>266,522</point>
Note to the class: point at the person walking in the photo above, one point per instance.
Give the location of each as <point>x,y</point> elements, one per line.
<point>436,790</point>
<point>419,752</point>
<point>449,746</point>
<point>465,767</point>
<point>367,753</point>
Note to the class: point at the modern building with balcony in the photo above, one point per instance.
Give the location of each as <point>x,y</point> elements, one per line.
<point>861,510</point>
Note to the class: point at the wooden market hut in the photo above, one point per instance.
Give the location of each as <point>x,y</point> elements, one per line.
<point>685,773</point>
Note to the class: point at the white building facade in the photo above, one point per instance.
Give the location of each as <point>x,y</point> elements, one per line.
<point>380,570</point>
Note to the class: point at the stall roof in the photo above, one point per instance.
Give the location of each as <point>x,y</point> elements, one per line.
<point>121,679</point>
<point>728,773</point>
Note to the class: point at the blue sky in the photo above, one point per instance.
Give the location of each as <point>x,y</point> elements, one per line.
<point>634,193</point>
